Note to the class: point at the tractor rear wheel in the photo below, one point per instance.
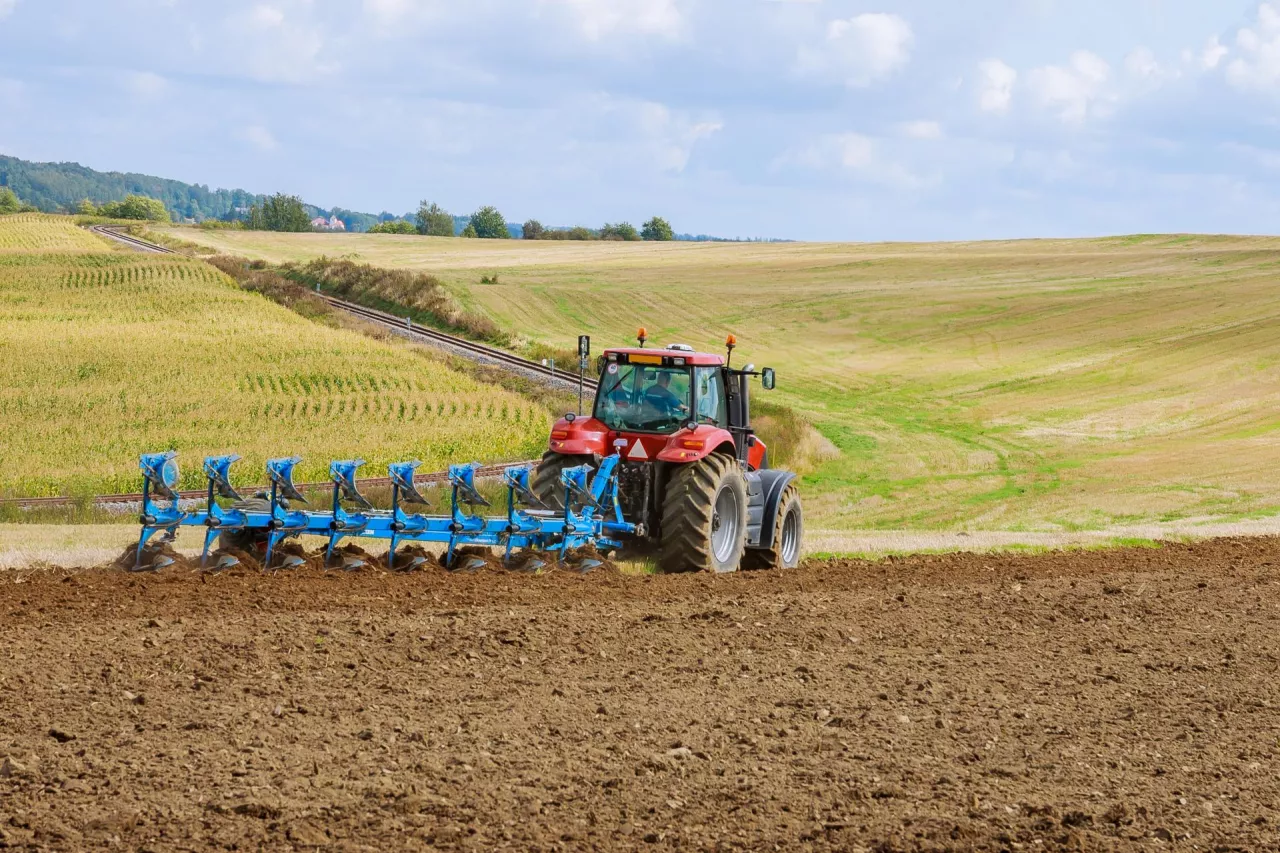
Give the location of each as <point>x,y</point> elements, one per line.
<point>546,478</point>
<point>788,535</point>
<point>704,517</point>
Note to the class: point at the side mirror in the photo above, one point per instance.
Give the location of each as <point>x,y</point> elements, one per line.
<point>767,379</point>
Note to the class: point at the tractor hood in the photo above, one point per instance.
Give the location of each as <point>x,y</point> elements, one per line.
<point>585,436</point>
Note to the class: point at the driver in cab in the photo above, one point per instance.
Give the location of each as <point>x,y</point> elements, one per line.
<point>661,397</point>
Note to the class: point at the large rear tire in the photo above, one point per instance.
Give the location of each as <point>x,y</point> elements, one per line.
<point>788,536</point>
<point>546,479</point>
<point>704,517</point>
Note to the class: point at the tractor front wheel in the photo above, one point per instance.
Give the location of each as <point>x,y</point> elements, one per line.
<point>546,483</point>
<point>704,517</point>
<point>788,536</point>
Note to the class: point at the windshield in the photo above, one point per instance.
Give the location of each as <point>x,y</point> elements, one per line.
<point>642,398</point>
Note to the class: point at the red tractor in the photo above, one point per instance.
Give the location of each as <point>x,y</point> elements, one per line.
<point>694,476</point>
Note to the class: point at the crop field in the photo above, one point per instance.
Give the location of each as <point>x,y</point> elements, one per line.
<point>108,353</point>
<point>1051,386</point>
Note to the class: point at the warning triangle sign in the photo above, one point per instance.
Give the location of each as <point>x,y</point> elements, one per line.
<point>638,451</point>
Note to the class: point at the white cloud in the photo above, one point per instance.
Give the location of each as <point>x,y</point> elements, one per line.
<point>7,7</point>
<point>280,46</point>
<point>852,155</point>
<point>1213,53</point>
<point>860,49</point>
<point>259,137</point>
<point>668,138</point>
<point>995,85</point>
<point>1258,66</point>
<point>921,129</point>
<point>1141,62</point>
<point>146,84</point>
<point>266,17</point>
<point>597,20</point>
<point>1075,91</point>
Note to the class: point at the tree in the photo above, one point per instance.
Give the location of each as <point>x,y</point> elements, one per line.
<point>9,201</point>
<point>279,212</point>
<point>489,224</point>
<point>659,229</point>
<point>87,208</point>
<point>136,207</point>
<point>533,230</point>
<point>470,230</point>
<point>621,231</point>
<point>434,221</point>
<point>394,226</point>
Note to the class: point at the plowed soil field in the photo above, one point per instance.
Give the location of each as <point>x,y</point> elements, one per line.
<point>1121,700</point>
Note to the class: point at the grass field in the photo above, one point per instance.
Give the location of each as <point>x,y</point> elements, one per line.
<point>1052,385</point>
<point>107,353</point>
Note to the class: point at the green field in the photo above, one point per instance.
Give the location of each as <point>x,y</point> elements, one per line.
<point>1050,385</point>
<point>107,353</point>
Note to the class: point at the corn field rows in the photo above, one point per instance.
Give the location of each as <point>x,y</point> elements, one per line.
<point>38,232</point>
<point>108,354</point>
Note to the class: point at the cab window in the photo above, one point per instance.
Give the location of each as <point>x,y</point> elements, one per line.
<point>635,397</point>
<point>709,382</point>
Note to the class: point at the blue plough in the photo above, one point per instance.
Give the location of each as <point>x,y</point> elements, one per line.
<point>592,515</point>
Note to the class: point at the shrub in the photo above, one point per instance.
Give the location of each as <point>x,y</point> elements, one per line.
<point>394,226</point>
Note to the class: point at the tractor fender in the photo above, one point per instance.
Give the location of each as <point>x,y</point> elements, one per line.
<point>772,482</point>
<point>688,445</point>
<point>580,437</point>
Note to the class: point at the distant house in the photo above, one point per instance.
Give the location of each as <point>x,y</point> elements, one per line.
<point>333,223</point>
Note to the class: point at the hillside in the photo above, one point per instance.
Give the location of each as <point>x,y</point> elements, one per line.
<point>1051,385</point>
<point>59,187</point>
<point>108,353</point>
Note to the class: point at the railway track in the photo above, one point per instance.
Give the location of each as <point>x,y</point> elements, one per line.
<point>482,353</point>
<point>115,233</point>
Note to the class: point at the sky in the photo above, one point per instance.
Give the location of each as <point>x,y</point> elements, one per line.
<point>804,119</point>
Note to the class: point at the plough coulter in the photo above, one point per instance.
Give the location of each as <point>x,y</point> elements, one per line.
<point>666,465</point>
<point>527,534</point>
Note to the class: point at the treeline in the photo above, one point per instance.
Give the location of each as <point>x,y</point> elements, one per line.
<point>488,223</point>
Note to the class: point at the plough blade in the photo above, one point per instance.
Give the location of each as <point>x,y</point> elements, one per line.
<point>160,471</point>
<point>226,561</point>
<point>343,475</point>
<point>463,480</point>
<point>575,482</point>
<point>281,473</point>
<point>218,470</point>
<point>402,474</point>
<point>517,480</point>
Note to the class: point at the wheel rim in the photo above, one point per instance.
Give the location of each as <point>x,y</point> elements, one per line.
<point>791,538</point>
<point>725,522</point>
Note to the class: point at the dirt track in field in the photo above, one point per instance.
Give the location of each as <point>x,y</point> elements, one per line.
<point>1124,700</point>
